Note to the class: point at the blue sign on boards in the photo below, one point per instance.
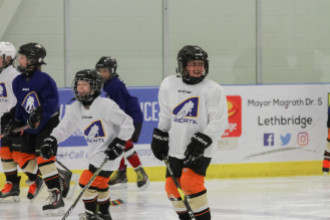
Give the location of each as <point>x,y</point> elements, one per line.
<point>148,99</point>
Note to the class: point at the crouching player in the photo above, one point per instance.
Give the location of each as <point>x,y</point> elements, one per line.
<point>192,117</point>
<point>106,129</point>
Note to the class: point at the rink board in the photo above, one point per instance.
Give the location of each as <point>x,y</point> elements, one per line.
<point>274,130</point>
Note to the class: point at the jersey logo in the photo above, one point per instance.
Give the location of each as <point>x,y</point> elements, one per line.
<point>94,132</point>
<point>31,102</point>
<point>186,110</point>
<point>3,90</point>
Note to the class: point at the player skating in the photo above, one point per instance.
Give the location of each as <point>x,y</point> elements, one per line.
<point>117,91</point>
<point>37,109</point>
<point>188,136</point>
<point>11,190</point>
<point>106,129</point>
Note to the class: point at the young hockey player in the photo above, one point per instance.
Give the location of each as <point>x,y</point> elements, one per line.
<point>117,91</point>
<point>192,117</point>
<point>326,161</point>
<point>36,108</point>
<point>106,129</point>
<point>11,189</point>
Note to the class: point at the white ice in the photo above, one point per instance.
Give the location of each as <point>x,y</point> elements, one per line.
<point>284,198</point>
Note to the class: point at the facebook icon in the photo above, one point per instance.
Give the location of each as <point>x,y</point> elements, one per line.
<point>269,139</point>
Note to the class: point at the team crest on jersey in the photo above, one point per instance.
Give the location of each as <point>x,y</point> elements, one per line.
<point>31,102</point>
<point>94,132</point>
<point>3,90</point>
<point>186,111</point>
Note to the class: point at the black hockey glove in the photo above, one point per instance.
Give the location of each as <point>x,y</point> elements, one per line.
<point>159,144</point>
<point>115,148</point>
<point>11,125</point>
<point>195,149</point>
<point>34,118</point>
<point>48,148</point>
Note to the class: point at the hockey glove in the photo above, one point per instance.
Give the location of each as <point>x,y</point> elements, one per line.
<point>48,148</point>
<point>115,148</point>
<point>34,118</point>
<point>195,149</point>
<point>11,125</point>
<point>159,144</point>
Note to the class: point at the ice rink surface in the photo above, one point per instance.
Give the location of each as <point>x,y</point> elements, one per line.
<point>285,198</point>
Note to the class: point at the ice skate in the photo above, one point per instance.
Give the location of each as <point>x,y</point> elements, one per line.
<point>55,207</point>
<point>142,178</point>
<point>10,192</point>
<point>101,216</point>
<point>118,179</point>
<point>35,187</point>
<point>87,216</point>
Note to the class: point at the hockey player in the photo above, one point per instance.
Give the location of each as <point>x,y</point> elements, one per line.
<point>37,108</point>
<point>106,129</point>
<point>192,117</point>
<point>326,161</point>
<point>11,190</point>
<point>117,91</point>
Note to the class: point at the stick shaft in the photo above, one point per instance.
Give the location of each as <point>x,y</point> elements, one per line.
<point>177,184</point>
<point>16,130</point>
<point>85,188</point>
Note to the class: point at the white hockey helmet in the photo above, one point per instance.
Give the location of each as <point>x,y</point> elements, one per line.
<point>7,49</point>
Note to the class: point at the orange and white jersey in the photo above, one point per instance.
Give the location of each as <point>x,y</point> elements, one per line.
<point>187,109</point>
<point>7,97</point>
<point>100,124</point>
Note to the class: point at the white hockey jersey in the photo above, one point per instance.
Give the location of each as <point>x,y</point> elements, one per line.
<point>7,97</point>
<point>187,109</point>
<point>100,124</point>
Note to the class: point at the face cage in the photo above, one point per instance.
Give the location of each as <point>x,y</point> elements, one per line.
<point>87,99</point>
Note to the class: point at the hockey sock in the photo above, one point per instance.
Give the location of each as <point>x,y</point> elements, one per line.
<point>12,176</point>
<point>104,206</point>
<point>134,160</point>
<point>32,177</point>
<point>122,166</point>
<point>90,205</point>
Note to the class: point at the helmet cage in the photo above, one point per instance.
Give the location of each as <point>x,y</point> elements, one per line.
<point>190,53</point>
<point>95,83</point>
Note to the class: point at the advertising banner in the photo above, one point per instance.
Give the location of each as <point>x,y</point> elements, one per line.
<point>267,123</point>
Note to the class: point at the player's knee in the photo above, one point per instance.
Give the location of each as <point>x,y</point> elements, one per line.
<point>85,177</point>
<point>191,182</point>
<point>170,188</point>
<point>5,153</point>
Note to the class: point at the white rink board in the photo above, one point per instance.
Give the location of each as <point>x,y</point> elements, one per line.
<point>259,103</point>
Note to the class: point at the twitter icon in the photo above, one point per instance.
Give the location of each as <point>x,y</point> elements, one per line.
<point>285,139</point>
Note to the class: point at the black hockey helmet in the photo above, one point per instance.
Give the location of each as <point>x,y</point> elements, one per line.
<point>189,53</point>
<point>108,62</point>
<point>35,54</point>
<point>95,82</point>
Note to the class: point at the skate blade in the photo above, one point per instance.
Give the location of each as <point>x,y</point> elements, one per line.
<point>54,212</point>
<point>118,186</point>
<point>75,180</point>
<point>145,185</point>
<point>10,199</point>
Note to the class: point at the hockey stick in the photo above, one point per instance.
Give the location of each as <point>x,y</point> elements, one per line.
<point>182,195</point>
<point>114,202</point>
<point>15,130</point>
